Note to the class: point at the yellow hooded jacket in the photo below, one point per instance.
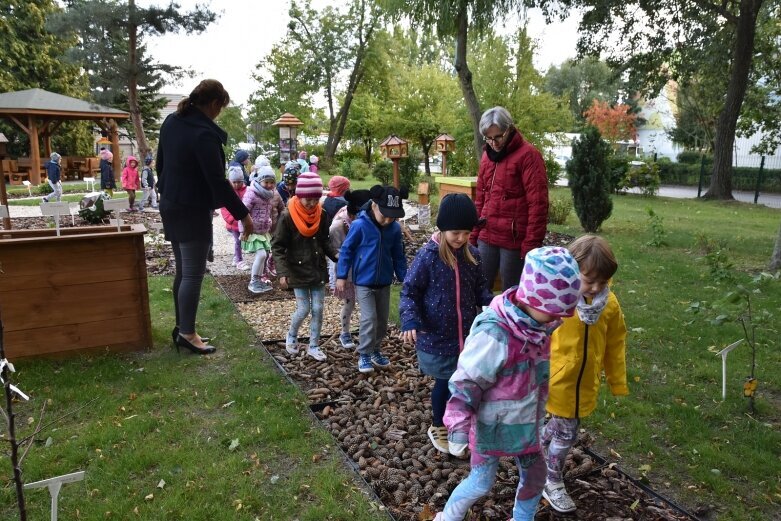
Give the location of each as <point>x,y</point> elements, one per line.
<point>579,352</point>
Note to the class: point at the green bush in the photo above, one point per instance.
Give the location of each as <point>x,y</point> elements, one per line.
<point>618,166</point>
<point>693,157</point>
<point>354,169</point>
<point>644,177</point>
<point>589,179</point>
<point>383,172</point>
<point>552,169</point>
<point>43,189</point>
<point>559,209</point>
<point>408,172</point>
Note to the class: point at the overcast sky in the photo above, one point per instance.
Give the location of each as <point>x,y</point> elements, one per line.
<point>246,29</point>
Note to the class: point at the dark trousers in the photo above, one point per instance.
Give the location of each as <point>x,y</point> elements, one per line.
<point>190,268</point>
<point>508,263</point>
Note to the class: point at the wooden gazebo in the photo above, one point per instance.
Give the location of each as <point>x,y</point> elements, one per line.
<point>39,113</point>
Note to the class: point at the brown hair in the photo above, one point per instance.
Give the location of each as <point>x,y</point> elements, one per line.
<point>448,256</point>
<point>203,94</point>
<point>594,256</point>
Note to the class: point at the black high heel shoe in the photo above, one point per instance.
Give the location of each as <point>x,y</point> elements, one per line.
<point>175,333</point>
<point>183,342</point>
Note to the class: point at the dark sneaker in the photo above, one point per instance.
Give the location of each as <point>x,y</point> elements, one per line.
<point>346,340</point>
<point>365,364</point>
<point>379,360</point>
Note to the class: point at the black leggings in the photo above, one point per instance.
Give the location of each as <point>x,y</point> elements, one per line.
<point>190,267</point>
<point>440,394</point>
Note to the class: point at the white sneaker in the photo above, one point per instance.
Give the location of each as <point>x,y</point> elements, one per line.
<point>438,437</point>
<point>316,353</point>
<point>242,265</point>
<point>559,499</point>
<point>291,348</point>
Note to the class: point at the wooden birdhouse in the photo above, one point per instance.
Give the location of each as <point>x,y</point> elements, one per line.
<point>394,148</point>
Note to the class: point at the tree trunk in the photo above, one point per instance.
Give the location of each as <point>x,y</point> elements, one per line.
<point>132,88</point>
<point>465,80</point>
<point>9,411</point>
<point>426,146</point>
<point>742,53</point>
<point>367,146</point>
<point>775,259</point>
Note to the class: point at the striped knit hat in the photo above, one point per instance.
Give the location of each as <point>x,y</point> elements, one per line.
<point>309,186</point>
<point>550,282</point>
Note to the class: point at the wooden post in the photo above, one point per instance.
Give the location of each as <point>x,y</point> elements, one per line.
<point>4,196</point>
<point>396,180</point>
<point>35,152</point>
<point>117,162</point>
<point>444,164</point>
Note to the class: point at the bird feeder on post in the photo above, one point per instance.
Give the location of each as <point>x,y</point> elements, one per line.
<point>288,137</point>
<point>3,194</point>
<point>445,143</point>
<point>394,148</point>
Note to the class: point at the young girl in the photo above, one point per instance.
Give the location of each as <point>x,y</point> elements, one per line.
<point>337,232</point>
<point>444,288</point>
<point>130,181</point>
<point>373,250</point>
<point>300,247</point>
<point>586,344</point>
<point>501,383</point>
<point>259,200</point>
<point>313,164</point>
<point>107,181</point>
<point>236,178</point>
<point>148,183</point>
<point>335,199</point>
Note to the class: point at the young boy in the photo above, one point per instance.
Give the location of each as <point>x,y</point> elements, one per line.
<point>148,184</point>
<point>592,340</point>
<point>373,250</point>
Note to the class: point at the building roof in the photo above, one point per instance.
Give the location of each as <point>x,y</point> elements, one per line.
<point>39,102</point>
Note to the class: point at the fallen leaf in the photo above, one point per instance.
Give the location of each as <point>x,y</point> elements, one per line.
<point>224,405</point>
<point>161,484</point>
<point>316,457</point>
<point>635,505</point>
<point>615,454</point>
<point>133,396</point>
<point>49,441</point>
<point>149,497</point>
<point>426,514</point>
<point>234,444</point>
<point>274,479</point>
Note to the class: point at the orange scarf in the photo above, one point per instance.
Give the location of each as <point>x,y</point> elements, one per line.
<point>307,221</point>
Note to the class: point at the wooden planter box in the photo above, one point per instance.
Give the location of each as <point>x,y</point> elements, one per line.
<point>456,185</point>
<point>83,291</point>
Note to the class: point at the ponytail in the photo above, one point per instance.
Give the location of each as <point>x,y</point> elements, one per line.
<point>203,94</point>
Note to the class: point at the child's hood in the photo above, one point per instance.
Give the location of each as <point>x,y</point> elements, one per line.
<point>129,159</point>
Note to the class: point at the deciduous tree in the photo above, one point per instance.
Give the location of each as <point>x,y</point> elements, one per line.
<point>615,122</point>
<point>583,81</point>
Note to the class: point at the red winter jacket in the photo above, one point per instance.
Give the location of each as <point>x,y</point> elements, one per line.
<point>512,196</point>
<point>231,224</point>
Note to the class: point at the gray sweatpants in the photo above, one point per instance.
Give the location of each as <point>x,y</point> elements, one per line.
<point>375,306</point>
<point>508,263</point>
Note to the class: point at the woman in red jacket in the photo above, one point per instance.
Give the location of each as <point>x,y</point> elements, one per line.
<point>511,199</point>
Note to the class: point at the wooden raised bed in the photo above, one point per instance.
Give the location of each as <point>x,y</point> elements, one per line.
<point>456,185</point>
<point>85,290</point>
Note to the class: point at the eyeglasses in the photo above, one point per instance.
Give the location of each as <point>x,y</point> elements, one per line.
<point>496,139</point>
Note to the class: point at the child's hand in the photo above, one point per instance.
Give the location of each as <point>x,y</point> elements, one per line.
<point>283,282</point>
<point>340,284</point>
<point>409,337</point>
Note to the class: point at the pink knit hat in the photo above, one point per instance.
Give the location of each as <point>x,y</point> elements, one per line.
<point>550,282</point>
<point>309,186</point>
<point>338,185</point>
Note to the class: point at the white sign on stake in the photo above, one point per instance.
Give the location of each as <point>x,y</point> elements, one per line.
<point>54,485</point>
<point>723,354</point>
<point>55,210</point>
<point>3,211</point>
<point>118,205</point>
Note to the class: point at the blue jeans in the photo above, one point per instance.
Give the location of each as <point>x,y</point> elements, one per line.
<point>307,299</point>
<point>478,483</point>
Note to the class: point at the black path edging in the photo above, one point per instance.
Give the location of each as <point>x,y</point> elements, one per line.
<point>642,486</point>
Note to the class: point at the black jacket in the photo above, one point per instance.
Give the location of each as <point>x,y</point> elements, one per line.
<point>302,259</point>
<point>191,176</point>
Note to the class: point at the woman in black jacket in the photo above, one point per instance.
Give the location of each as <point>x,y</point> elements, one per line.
<point>191,179</point>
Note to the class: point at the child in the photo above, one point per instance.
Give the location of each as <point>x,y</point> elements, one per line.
<point>302,162</point>
<point>374,252</point>
<point>130,181</point>
<point>313,161</point>
<point>586,344</point>
<point>337,232</point>
<point>107,181</point>
<point>236,178</point>
<point>53,175</point>
<point>501,383</point>
<point>443,288</point>
<point>241,158</point>
<point>335,200</point>
<point>300,247</point>
<point>260,161</point>
<point>287,186</point>
<point>148,183</point>
<point>259,200</point>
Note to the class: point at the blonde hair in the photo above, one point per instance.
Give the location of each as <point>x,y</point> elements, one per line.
<point>203,94</point>
<point>449,257</point>
<point>594,256</point>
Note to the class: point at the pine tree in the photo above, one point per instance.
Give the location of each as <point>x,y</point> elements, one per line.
<point>589,179</point>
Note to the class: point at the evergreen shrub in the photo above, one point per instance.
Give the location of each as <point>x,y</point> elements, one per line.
<point>589,179</point>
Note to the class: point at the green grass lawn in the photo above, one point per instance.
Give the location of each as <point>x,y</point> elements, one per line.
<point>158,441</point>
<point>674,426</point>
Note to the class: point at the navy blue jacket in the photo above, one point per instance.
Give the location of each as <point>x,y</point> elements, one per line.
<point>283,192</point>
<point>373,252</point>
<point>53,172</point>
<point>191,176</point>
<point>331,205</point>
<point>428,301</point>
